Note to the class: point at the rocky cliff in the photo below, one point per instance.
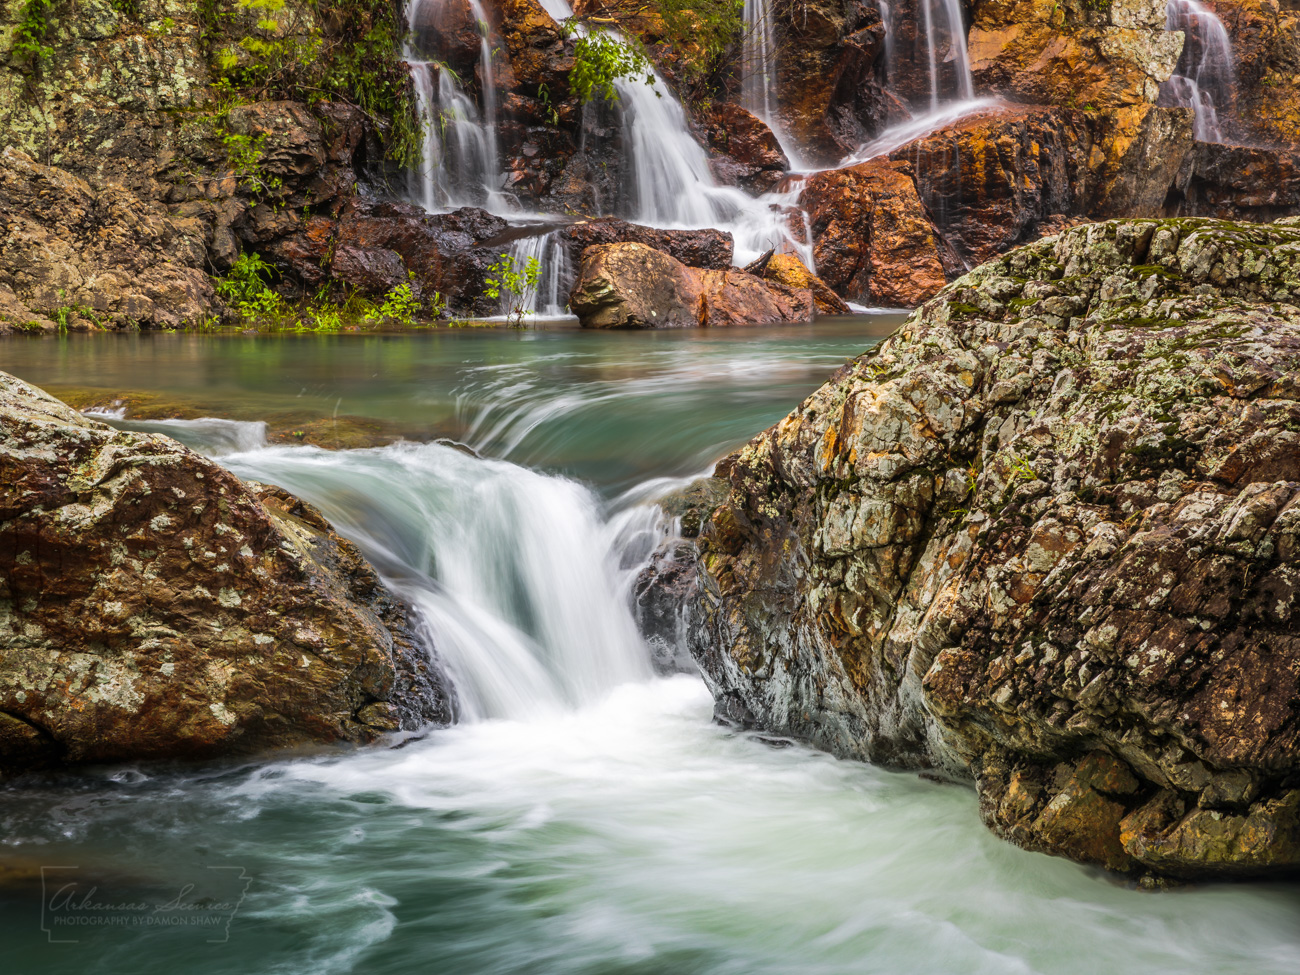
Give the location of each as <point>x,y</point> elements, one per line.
<point>153,606</point>
<point>1043,538</point>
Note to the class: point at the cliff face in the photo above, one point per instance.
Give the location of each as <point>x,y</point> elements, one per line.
<point>1044,537</point>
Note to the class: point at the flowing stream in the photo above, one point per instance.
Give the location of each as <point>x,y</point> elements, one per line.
<point>585,817</point>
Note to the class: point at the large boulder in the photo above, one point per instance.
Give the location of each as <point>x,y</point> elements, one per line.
<point>993,179</point>
<point>1045,538</point>
<point>152,606</point>
<point>872,238</point>
<point>634,286</point>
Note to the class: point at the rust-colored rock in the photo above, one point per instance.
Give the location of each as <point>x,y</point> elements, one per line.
<point>872,239</point>
<point>747,153</point>
<point>787,270</point>
<point>153,606</point>
<point>1088,57</point>
<point>634,286</point>
<point>991,180</point>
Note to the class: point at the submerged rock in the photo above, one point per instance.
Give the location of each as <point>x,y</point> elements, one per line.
<point>634,286</point>
<point>1045,537</point>
<point>152,606</point>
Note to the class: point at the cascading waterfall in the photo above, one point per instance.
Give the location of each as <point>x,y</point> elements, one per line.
<point>520,578</point>
<point>461,165</point>
<point>758,74</point>
<point>1204,77</point>
<point>550,298</point>
<point>939,19</point>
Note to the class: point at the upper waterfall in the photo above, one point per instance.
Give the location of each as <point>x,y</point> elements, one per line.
<point>1204,78</point>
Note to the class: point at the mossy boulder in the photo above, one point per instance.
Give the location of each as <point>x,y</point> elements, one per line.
<point>1046,538</point>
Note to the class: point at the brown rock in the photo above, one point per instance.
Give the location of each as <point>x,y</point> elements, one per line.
<point>748,154</point>
<point>1102,57</point>
<point>695,248</point>
<point>987,547</point>
<point>872,240</point>
<point>634,286</point>
<point>152,606</point>
<point>992,179</point>
<point>789,271</point>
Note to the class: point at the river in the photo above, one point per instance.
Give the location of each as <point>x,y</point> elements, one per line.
<point>585,816</point>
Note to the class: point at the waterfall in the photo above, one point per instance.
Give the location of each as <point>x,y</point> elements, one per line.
<point>758,74</point>
<point>550,299</point>
<point>461,165</point>
<point>521,578</point>
<point>939,20</point>
<point>1204,77</point>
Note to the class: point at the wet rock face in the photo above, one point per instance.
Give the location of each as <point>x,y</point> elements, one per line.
<point>746,151</point>
<point>153,606</point>
<point>829,79</point>
<point>872,239</point>
<point>634,286</point>
<point>1044,538</point>
<point>991,180</point>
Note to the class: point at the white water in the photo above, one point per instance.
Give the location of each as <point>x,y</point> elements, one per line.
<point>1205,73</point>
<point>550,299</point>
<point>519,576</point>
<point>940,20</point>
<point>597,821</point>
<point>461,164</point>
<point>758,87</point>
<point>900,135</point>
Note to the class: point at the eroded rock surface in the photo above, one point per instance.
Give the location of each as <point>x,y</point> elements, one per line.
<point>153,606</point>
<point>1046,537</point>
<point>634,286</point>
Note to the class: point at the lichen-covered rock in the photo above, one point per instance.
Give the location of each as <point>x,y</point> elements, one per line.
<point>153,606</point>
<point>634,286</point>
<point>1046,537</point>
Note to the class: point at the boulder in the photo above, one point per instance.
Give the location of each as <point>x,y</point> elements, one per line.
<point>633,286</point>
<point>152,606</point>
<point>992,179</point>
<point>697,248</point>
<point>872,239</point>
<point>747,153</point>
<point>789,271</point>
<point>1045,538</point>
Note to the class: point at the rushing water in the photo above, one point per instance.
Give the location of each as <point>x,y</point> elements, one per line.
<point>1204,77</point>
<point>585,817</point>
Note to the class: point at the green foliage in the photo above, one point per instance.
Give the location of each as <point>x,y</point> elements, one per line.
<point>29,48</point>
<point>399,306</point>
<point>244,153</point>
<point>245,289</point>
<point>600,59</point>
<point>517,283</point>
<point>286,53</point>
<point>703,31</point>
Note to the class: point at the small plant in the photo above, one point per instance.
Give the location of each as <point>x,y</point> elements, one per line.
<point>29,47</point>
<point>245,288</point>
<point>599,60</point>
<point>399,306</point>
<point>516,284</point>
<point>1021,469</point>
